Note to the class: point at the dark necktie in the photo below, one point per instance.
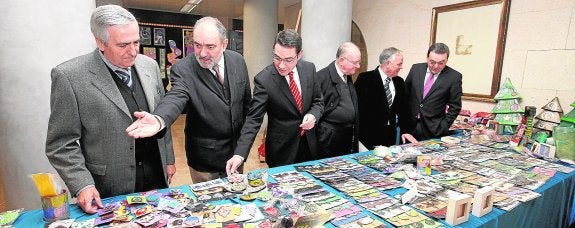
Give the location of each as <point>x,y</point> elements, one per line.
<point>125,77</point>
<point>296,95</point>
<point>388,92</point>
<point>219,76</point>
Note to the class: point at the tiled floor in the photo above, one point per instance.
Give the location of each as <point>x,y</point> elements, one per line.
<point>182,176</point>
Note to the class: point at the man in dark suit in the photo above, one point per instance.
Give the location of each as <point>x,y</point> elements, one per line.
<point>434,99</point>
<point>91,103</point>
<point>381,95</point>
<point>338,128</point>
<point>212,85</point>
<point>289,92</point>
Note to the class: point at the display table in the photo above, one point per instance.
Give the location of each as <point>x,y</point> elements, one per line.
<point>554,208</point>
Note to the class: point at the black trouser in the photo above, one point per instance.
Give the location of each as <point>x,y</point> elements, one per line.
<point>303,151</point>
<point>149,170</point>
<point>334,141</point>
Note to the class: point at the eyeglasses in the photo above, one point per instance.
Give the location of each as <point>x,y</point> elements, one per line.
<point>355,63</point>
<point>289,60</point>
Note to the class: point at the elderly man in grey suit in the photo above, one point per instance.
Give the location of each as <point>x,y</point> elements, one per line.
<point>212,85</point>
<point>289,92</point>
<point>91,103</point>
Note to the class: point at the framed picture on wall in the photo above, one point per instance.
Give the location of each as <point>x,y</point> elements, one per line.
<point>162,52</point>
<point>150,52</point>
<point>159,37</point>
<point>188,41</point>
<point>475,33</point>
<point>145,35</point>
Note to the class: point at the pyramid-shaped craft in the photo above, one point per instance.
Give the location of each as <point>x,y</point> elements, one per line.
<point>509,119</point>
<point>507,91</point>
<point>553,106</point>
<point>507,106</point>
<point>549,116</point>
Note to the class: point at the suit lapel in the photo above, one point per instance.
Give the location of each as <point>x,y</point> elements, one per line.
<point>204,75</point>
<point>419,80</point>
<point>283,86</point>
<point>102,80</point>
<point>230,75</point>
<point>305,84</point>
<point>147,82</point>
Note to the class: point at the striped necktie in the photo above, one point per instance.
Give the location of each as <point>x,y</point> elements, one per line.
<point>388,92</point>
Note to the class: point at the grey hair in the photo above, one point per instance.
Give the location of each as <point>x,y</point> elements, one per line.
<point>221,28</point>
<point>289,38</point>
<point>106,16</point>
<point>438,48</point>
<point>388,54</point>
<point>344,48</point>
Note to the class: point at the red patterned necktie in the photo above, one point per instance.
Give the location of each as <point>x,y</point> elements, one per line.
<point>296,95</point>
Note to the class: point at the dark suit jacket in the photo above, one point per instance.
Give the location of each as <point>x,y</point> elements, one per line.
<point>272,95</point>
<point>446,91</point>
<point>213,123</point>
<point>328,81</point>
<point>377,120</point>
<point>87,141</point>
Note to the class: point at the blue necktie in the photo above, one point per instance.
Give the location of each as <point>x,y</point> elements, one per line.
<point>125,77</point>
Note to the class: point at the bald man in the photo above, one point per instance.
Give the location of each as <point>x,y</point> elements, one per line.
<point>337,129</point>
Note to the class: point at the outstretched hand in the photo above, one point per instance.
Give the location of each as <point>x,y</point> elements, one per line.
<point>233,164</point>
<point>145,126</point>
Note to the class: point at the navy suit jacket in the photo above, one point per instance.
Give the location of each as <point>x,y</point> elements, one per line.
<point>445,92</point>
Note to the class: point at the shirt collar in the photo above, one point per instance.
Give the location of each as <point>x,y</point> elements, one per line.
<point>340,73</point>
<point>112,66</point>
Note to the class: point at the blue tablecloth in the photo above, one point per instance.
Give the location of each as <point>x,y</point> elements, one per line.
<point>554,208</point>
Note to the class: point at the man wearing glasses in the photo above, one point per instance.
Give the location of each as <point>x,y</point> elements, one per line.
<point>337,130</point>
<point>289,93</point>
<point>434,94</point>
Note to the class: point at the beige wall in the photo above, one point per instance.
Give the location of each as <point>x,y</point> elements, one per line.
<point>539,54</point>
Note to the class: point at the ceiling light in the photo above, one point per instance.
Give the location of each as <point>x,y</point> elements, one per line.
<point>188,7</point>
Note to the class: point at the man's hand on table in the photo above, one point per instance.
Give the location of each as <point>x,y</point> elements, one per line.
<point>85,198</point>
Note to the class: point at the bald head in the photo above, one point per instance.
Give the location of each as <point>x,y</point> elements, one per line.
<point>348,58</point>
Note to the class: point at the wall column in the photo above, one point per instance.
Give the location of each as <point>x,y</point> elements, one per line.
<point>38,36</point>
<point>325,25</point>
<point>260,29</point>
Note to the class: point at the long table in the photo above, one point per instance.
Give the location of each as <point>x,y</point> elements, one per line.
<point>554,208</point>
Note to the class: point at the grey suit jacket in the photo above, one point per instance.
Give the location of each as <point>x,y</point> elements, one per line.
<point>213,123</point>
<point>272,95</point>
<point>87,141</point>
<point>446,91</point>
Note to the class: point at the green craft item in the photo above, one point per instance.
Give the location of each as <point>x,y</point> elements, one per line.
<point>564,142</point>
<point>541,136</point>
<point>509,119</point>
<point>507,91</point>
<point>507,106</point>
<point>569,117</point>
<point>8,217</point>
